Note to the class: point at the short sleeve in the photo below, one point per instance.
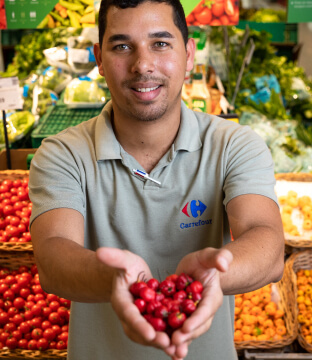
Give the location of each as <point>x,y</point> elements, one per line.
<point>249,166</point>
<point>55,179</point>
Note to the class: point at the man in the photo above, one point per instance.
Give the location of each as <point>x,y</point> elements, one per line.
<point>96,224</point>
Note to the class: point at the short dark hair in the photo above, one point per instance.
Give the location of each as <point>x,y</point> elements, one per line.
<point>177,11</point>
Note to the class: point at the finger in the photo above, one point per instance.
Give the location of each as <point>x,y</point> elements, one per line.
<point>143,333</point>
<point>182,350</point>
<point>179,338</point>
<point>208,306</point>
<point>215,258</point>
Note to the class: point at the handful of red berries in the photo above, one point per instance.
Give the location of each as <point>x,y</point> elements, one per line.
<point>167,304</point>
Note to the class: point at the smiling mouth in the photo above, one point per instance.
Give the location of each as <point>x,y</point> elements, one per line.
<point>145,90</point>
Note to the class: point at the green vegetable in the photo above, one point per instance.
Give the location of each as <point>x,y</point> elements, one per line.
<point>18,124</point>
<point>83,91</point>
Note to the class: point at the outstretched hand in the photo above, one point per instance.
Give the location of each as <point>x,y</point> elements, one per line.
<point>203,265</point>
<point>127,266</point>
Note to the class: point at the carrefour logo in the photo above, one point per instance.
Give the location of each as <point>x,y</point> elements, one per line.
<point>194,209</point>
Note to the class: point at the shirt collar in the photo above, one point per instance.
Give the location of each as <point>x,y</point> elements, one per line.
<point>107,146</point>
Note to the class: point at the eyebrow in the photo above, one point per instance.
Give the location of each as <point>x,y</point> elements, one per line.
<point>155,35</point>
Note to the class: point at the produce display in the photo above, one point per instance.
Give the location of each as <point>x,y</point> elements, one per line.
<point>304,303</point>
<point>54,78</point>
<point>29,57</point>
<point>30,318</point>
<point>18,124</point>
<point>80,54</point>
<point>167,304</point>
<point>15,211</point>
<point>296,214</point>
<point>84,92</point>
<point>258,317</point>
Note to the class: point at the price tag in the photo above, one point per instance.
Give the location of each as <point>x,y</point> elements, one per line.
<point>10,97</point>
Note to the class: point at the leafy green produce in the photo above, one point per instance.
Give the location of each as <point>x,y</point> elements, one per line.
<point>29,55</point>
<point>18,124</point>
<point>304,134</point>
<point>265,61</point>
<point>54,79</point>
<point>83,91</point>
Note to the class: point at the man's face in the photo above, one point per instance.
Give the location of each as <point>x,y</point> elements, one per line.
<point>144,60</point>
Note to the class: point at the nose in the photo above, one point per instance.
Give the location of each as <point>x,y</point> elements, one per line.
<point>143,61</point>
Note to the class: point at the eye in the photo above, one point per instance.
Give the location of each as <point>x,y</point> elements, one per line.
<point>121,47</point>
<point>161,44</point>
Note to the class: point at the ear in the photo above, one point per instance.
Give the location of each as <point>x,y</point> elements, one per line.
<point>98,58</point>
<point>190,53</point>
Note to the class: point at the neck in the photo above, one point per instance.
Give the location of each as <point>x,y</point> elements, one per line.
<point>146,141</point>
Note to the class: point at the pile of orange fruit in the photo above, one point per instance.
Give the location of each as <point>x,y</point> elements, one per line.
<point>257,316</point>
<point>304,303</point>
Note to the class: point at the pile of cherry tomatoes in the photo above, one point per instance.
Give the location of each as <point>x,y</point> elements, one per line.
<point>15,211</point>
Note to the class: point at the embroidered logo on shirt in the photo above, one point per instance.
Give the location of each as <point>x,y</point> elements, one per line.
<point>194,209</point>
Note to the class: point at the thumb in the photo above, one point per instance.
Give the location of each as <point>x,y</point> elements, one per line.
<point>224,259</point>
<point>216,258</point>
<point>113,257</point>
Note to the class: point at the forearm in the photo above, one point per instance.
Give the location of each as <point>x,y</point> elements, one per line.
<point>258,259</point>
<point>73,272</point>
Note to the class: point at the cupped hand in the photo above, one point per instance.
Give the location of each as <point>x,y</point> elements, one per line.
<point>203,265</point>
<point>127,267</point>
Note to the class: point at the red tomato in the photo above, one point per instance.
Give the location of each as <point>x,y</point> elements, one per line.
<point>52,345</point>
<point>17,334</point>
<point>229,8</point>
<point>217,8</point>
<point>9,327</point>
<point>36,333</point>
<point>224,20</point>
<point>24,327</point>
<point>49,334</point>
<point>8,210</point>
<point>8,183</point>
<point>54,305</point>
<point>42,344</point>
<point>11,343</point>
<point>65,302</point>
<point>24,292</point>
<point>63,312</point>
<point>63,336</point>
<point>17,183</point>
<point>54,318</point>
<point>46,325</point>
<point>204,17</point>
<point>32,344</point>
<point>22,344</point>
<point>57,329</point>
<point>215,22</point>
<point>61,345</point>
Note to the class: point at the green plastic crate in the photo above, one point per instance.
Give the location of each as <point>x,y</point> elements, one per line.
<point>59,118</point>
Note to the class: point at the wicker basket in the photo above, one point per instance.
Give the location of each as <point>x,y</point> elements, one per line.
<point>13,175</point>
<point>295,241</point>
<point>286,302</point>
<point>13,261</point>
<point>297,261</point>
